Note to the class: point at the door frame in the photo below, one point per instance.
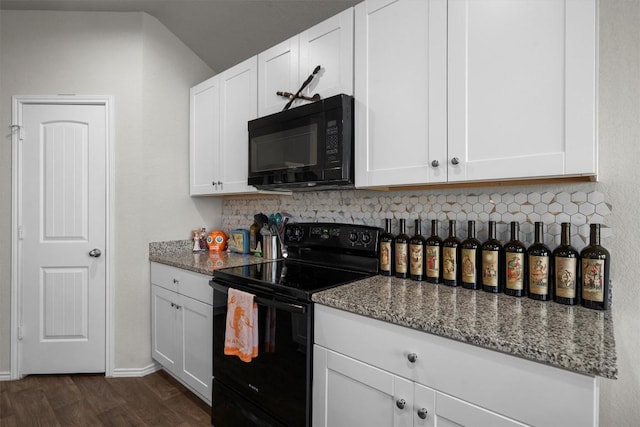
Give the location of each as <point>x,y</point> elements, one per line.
<point>18,101</point>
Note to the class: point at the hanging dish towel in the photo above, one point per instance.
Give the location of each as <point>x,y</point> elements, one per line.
<point>241,334</point>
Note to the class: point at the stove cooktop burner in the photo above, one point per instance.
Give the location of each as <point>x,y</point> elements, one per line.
<point>289,277</point>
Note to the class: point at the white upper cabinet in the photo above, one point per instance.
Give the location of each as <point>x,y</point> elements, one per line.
<point>278,72</point>
<point>400,92</point>
<point>522,88</point>
<point>284,67</point>
<point>474,90</point>
<point>219,141</point>
<point>204,137</point>
<point>238,105</point>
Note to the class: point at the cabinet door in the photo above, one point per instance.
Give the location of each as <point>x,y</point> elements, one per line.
<point>196,333</point>
<point>204,137</point>
<point>277,71</point>
<point>400,92</point>
<point>452,412</point>
<point>424,409</point>
<point>329,45</point>
<point>347,392</point>
<point>521,88</point>
<point>164,318</point>
<point>238,105</point>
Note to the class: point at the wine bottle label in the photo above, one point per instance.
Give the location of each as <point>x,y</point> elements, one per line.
<point>490,268</point>
<point>539,275</point>
<point>469,265</point>
<point>433,261</point>
<point>401,257</point>
<point>385,256</point>
<point>449,263</point>
<point>593,279</point>
<point>566,277</point>
<point>515,270</point>
<point>416,259</point>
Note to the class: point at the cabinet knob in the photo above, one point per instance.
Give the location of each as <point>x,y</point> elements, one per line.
<point>213,183</point>
<point>176,281</point>
<point>220,183</point>
<point>422,413</point>
<point>401,403</point>
<point>435,163</point>
<point>173,305</point>
<point>412,357</point>
<point>455,161</point>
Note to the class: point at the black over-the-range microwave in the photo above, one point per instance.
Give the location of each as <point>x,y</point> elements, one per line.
<point>305,148</point>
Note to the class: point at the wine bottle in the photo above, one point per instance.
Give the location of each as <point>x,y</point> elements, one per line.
<point>538,261</point>
<point>401,247</point>
<point>386,250</point>
<point>471,258</point>
<point>594,265</point>
<point>416,253</point>
<point>565,271</point>
<point>492,260</point>
<point>515,264</point>
<point>433,255</point>
<point>451,257</point>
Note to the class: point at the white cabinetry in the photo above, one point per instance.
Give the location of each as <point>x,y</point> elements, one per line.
<point>362,365</point>
<point>182,316</point>
<point>287,65</point>
<point>400,91</point>
<point>485,90</point>
<point>220,109</point>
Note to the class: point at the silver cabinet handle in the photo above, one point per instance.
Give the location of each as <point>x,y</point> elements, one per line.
<point>422,413</point>
<point>401,403</point>
<point>95,253</point>
<point>412,357</point>
<point>455,161</point>
<point>435,163</point>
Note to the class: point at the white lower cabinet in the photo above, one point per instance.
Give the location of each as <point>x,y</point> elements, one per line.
<point>182,328</point>
<point>368,372</point>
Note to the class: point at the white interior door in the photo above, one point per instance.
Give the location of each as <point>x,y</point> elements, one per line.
<point>62,232</point>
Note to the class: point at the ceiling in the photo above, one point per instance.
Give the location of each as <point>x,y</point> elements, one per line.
<point>221,32</point>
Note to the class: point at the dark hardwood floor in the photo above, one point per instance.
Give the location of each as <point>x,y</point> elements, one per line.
<point>93,400</point>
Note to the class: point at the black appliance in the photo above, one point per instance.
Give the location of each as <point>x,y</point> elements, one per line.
<point>274,389</point>
<point>307,147</point>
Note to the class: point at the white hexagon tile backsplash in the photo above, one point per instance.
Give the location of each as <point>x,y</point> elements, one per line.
<point>369,207</point>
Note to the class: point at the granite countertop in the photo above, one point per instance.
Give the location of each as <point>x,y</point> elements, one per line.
<point>178,253</point>
<point>569,337</point>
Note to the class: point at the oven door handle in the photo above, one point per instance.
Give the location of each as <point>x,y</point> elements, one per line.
<point>267,302</point>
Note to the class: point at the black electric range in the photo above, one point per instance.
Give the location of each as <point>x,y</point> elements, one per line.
<point>274,389</point>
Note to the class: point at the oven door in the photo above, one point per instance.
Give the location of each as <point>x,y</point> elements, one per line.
<point>277,383</point>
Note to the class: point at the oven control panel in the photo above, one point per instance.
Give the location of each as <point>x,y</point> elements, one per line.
<point>332,235</point>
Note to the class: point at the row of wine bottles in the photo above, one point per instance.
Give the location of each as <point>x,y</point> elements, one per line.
<point>563,275</point>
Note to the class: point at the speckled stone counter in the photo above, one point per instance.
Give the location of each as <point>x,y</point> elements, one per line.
<point>177,253</point>
<point>569,337</point>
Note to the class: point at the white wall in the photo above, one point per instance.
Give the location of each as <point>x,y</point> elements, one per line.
<point>149,72</point>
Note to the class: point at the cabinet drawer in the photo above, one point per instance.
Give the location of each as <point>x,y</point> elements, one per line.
<point>477,375</point>
<point>185,282</point>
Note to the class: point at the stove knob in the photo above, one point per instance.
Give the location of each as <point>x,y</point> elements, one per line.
<point>366,238</point>
<point>353,237</point>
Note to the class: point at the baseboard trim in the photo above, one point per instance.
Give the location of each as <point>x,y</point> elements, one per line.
<point>136,372</point>
<point>5,376</point>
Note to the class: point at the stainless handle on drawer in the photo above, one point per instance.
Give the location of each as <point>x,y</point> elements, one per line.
<point>422,413</point>
<point>401,403</point>
<point>412,357</point>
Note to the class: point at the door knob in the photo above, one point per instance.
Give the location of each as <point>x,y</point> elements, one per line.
<point>95,253</point>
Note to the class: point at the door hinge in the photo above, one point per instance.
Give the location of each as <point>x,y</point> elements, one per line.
<point>19,332</point>
<point>20,232</point>
<point>19,129</point>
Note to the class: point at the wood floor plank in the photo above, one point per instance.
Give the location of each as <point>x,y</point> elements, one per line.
<point>31,408</point>
<point>77,414</point>
<point>93,400</point>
